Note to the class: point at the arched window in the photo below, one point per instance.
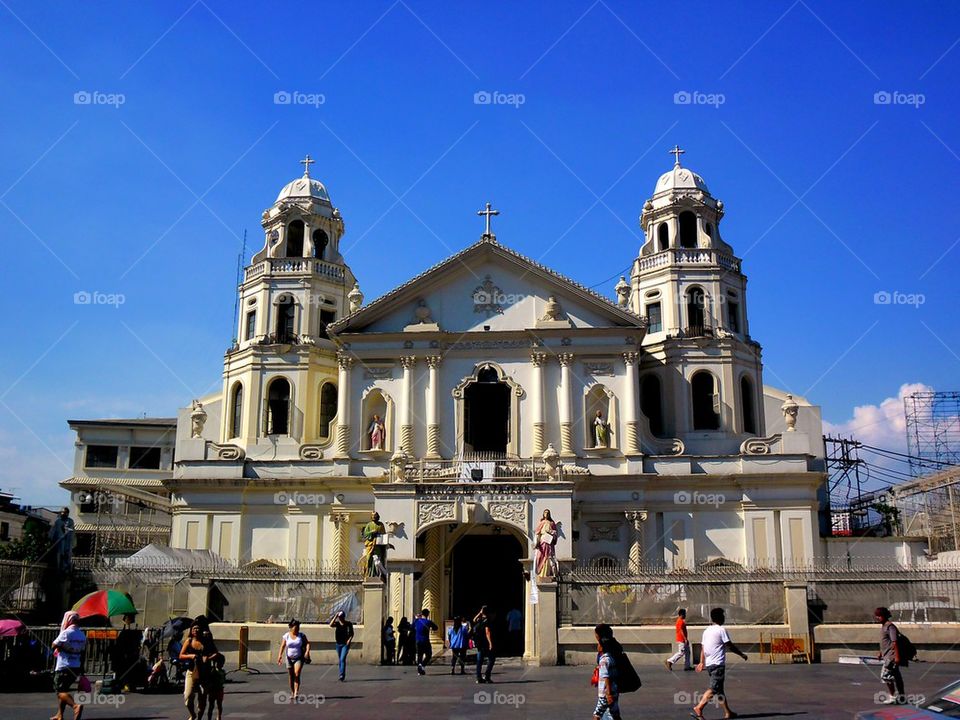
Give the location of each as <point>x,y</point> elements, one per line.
<point>747,407</point>
<point>286,314</point>
<point>278,407</point>
<point>651,403</point>
<point>663,236</point>
<point>688,229</point>
<point>605,562</point>
<point>695,315</point>
<point>236,410</point>
<point>328,408</point>
<point>320,241</point>
<point>295,239</point>
<point>706,402</point>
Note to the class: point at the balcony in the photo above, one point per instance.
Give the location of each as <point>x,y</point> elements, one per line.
<point>689,256</point>
<point>698,331</point>
<point>294,266</point>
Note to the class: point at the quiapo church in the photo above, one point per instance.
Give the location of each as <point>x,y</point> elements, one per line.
<point>467,402</point>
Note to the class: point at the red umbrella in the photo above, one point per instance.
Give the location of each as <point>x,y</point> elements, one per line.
<point>11,628</point>
<point>107,603</point>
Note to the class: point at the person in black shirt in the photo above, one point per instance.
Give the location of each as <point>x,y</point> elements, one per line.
<point>483,640</point>
<point>344,636</point>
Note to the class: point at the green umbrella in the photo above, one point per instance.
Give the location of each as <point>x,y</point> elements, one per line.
<point>107,603</point>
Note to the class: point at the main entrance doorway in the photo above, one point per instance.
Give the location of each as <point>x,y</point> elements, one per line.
<point>486,570</point>
<point>487,414</point>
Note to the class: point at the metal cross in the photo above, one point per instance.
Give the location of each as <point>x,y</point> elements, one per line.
<point>307,162</point>
<point>677,152</point>
<point>488,212</point>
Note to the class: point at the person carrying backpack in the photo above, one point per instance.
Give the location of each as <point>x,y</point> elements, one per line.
<point>608,696</point>
<point>891,645</point>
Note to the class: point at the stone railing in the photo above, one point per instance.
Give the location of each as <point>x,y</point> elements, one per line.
<point>690,256</point>
<point>295,266</point>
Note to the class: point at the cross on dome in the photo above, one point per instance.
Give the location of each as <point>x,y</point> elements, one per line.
<point>307,162</point>
<point>489,213</point>
<point>676,152</point>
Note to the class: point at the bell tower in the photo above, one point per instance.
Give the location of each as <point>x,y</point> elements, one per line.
<point>701,377</point>
<point>280,377</point>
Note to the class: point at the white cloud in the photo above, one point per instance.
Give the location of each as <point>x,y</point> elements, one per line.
<point>882,425</point>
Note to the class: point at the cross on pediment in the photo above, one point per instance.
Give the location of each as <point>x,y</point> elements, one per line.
<point>489,213</point>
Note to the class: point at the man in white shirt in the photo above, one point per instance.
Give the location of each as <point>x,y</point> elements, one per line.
<point>713,657</point>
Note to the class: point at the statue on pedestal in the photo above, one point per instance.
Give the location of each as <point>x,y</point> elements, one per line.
<point>546,537</point>
<point>601,431</point>
<point>378,432</point>
<point>373,562</point>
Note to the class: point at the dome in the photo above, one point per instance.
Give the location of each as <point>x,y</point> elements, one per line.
<point>680,178</point>
<point>304,187</point>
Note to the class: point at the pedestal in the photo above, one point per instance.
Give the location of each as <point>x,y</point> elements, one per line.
<point>373,618</point>
<point>547,623</point>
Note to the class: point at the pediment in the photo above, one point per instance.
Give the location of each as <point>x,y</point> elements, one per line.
<point>488,287</point>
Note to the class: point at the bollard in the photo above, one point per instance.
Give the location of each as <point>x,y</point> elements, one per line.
<point>242,647</point>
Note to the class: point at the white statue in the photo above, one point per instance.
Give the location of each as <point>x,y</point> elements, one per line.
<point>198,416</point>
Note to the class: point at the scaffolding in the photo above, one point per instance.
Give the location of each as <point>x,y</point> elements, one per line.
<point>933,431</point>
<point>930,507</point>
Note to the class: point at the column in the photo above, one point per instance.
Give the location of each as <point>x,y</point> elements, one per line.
<point>631,445</point>
<point>433,574</point>
<point>343,405</point>
<point>406,404</point>
<point>341,540</point>
<point>433,407</point>
<point>566,410</point>
<point>636,518</point>
<point>536,404</point>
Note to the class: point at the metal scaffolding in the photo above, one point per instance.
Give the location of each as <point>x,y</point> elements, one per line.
<point>930,507</point>
<point>933,431</point>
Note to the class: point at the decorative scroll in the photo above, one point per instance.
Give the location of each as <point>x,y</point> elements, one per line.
<point>428,512</point>
<point>228,452</point>
<point>511,512</point>
<point>311,452</point>
<point>759,445</point>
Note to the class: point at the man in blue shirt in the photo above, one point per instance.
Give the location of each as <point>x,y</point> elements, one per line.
<point>457,641</point>
<point>422,627</point>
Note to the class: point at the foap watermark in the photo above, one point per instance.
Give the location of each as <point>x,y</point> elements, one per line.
<point>100,498</point>
<point>696,97</point>
<point>495,97</point>
<point>485,697</point>
<point>695,497</point>
<point>686,697</point>
<point>895,97</point>
<point>886,297</point>
<point>96,97</point>
<point>95,297</point>
<point>496,298</point>
<point>96,698</point>
<point>285,697</point>
<point>296,97</point>
<point>885,698</point>
<point>299,499</point>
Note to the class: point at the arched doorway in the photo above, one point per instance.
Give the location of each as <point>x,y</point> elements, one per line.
<point>486,569</point>
<point>487,413</point>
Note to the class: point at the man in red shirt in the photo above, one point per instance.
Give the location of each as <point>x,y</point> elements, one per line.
<point>683,643</point>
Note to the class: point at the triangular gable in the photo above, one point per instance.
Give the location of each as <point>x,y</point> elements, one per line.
<point>483,253</point>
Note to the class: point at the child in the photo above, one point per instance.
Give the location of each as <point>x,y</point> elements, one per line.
<point>215,683</point>
<point>608,697</point>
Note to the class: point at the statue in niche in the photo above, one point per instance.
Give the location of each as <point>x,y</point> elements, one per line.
<point>378,432</point>
<point>601,431</point>
<point>546,537</point>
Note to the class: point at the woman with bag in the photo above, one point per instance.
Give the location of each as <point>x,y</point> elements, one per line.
<point>69,647</point>
<point>195,655</point>
<point>298,653</point>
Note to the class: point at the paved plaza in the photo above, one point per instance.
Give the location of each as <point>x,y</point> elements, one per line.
<point>817,692</point>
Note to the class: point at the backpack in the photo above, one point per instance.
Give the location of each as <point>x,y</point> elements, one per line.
<point>627,679</point>
<point>905,649</point>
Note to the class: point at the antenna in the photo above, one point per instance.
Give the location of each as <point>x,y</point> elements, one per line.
<point>236,303</point>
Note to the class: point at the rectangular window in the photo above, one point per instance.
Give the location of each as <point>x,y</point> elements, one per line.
<point>102,456</point>
<point>654,318</point>
<point>733,316</point>
<point>251,325</point>
<point>144,458</point>
<point>326,318</point>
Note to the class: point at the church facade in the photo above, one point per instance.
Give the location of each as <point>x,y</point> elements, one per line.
<point>487,389</point>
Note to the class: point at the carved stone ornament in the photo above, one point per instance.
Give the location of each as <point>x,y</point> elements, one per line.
<point>598,368</point>
<point>790,410</point>
<point>552,458</point>
<point>198,417</point>
<point>355,296</point>
<point>487,297</point>
<point>429,512</point>
<point>228,452</point>
<point>422,312</point>
<point>759,446</point>
<point>511,512</point>
<point>604,530</point>
<point>398,465</point>
<point>311,452</point>
<point>553,311</point>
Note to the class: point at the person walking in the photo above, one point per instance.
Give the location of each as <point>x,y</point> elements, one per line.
<point>515,630</point>
<point>295,646</point>
<point>683,643</point>
<point>404,633</point>
<point>457,642</point>
<point>889,654</point>
<point>195,656</point>
<point>215,684</point>
<point>483,640</point>
<point>389,643</point>
<point>69,647</point>
<point>713,657</point>
<point>422,627</point>
<point>608,697</point>
<point>343,635</point>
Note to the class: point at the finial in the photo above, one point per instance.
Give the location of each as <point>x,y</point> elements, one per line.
<point>489,213</point>
<point>677,152</point>
<point>307,162</point>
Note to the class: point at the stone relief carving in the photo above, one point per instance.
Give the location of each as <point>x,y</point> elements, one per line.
<point>487,297</point>
<point>604,530</point>
<point>598,368</point>
<point>228,452</point>
<point>512,512</point>
<point>311,452</point>
<point>428,512</point>
<point>759,446</point>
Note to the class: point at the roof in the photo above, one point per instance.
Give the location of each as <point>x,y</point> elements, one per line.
<point>114,481</point>
<point>149,422</point>
<point>489,244</point>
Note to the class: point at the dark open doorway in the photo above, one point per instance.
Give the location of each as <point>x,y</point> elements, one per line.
<point>487,413</point>
<point>486,570</point>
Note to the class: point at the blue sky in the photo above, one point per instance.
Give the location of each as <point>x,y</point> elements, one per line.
<point>145,191</point>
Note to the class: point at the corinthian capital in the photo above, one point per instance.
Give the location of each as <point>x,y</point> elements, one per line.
<point>565,359</point>
<point>630,357</point>
<point>408,361</point>
<point>433,361</point>
<point>344,360</point>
